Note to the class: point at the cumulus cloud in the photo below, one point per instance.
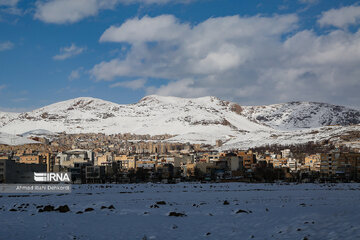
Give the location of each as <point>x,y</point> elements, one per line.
<point>146,29</point>
<point>134,84</point>
<point>70,11</point>
<point>68,52</point>
<point>340,18</point>
<point>6,46</point>
<point>179,51</point>
<point>252,60</point>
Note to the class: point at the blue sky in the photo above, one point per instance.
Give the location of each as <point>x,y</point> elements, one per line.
<point>252,52</point>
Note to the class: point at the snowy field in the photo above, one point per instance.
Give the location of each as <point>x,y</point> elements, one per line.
<point>211,211</point>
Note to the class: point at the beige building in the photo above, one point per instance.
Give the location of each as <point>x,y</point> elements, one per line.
<point>127,162</point>
<point>313,162</point>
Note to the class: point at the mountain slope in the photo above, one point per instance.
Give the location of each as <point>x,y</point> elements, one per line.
<point>196,120</point>
<point>151,115</point>
<point>298,115</point>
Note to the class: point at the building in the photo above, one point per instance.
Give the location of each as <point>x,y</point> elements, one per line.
<point>13,172</point>
<point>126,162</point>
<point>313,162</point>
<point>69,158</point>
<point>340,164</point>
<point>249,159</point>
<point>293,165</point>
<point>145,164</point>
<point>95,174</point>
<point>286,153</point>
<point>32,158</point>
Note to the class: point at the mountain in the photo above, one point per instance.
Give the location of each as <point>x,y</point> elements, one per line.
<point>6,117</point>
<point>298,115</point>
<point>197,120</point>
<point>151,115</point>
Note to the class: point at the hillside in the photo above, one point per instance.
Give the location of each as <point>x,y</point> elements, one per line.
<point>197,120</point>
<point>298,115</point>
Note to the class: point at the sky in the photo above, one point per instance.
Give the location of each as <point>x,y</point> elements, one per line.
<point>251,52</point>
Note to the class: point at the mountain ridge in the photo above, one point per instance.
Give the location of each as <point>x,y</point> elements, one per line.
<point>200,120</point>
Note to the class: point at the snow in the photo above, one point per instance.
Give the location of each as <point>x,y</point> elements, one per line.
<point>40,133</point>
<point>300,115</point>
<point>6,117</point>
<point>8,139</point>
<point>274,211</point>
<point>194,120</point>
<point>152,115</point>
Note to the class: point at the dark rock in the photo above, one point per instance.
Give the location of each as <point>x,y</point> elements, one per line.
<point>47,208</point>
<point>241,211</point>
<point>226,202</point>
<point>176,214</point>
<point>63,209</point>
<point>111,207</point>
<point>89,209</point>
<point>161,203</point>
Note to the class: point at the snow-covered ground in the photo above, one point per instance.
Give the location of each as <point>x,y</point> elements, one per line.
<point>269,211</point>
<point>9,139</point>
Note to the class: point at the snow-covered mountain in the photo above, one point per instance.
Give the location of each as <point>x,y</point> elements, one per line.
<point>198,120</point>
<point>6,117</point>
<point>152,115</point>
<point>298,115</point>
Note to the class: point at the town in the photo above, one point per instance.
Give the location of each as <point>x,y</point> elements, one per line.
<point>128,158</point>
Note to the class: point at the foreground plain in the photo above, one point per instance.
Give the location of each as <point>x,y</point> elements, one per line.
<point>210,211</point>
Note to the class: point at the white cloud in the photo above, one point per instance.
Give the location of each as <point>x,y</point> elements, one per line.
<point>10,7</point>
<point>253,60</point>
<point>134,84</point>
<point>6,46</point>
<point>3,86</point>
<point>180,88</point>
<point>75,74</point>
<point>68,52</point>
<point>70,11</point>
<point>147,29</point>
<point>341,18</point>
<point>180,51</point>
<point>9,3</point>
